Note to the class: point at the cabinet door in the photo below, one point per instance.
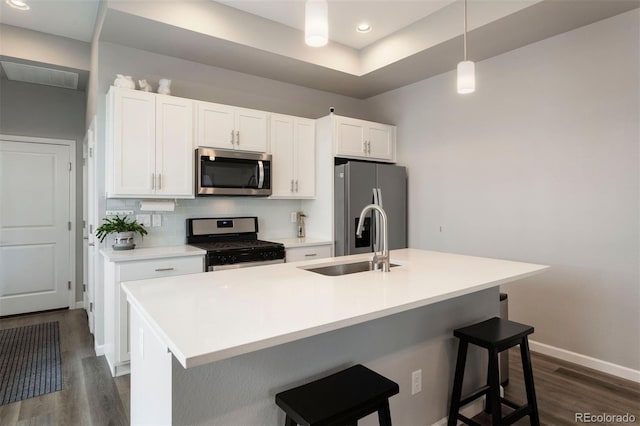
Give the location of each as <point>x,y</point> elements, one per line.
<point>381,141</point>
<point>251,130</point>
<point>174,147</point>
<point>133,139</point>
<point>350,137</point>
<point>282,155</point>
<point>304,136</point>
<point>215,125</point>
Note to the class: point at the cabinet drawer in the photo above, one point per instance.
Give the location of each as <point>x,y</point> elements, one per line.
<point>307,253</point>
<point>165,267</point>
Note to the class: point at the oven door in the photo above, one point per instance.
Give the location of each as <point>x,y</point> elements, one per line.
<point>211,268</point>
<point>221,172</point>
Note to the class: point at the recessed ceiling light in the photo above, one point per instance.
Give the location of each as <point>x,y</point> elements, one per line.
<point>18,4</point>
<point>363,28</point>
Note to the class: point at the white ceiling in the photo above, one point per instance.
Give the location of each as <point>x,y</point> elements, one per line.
<point>385,17</point>
<point>411,39</point>
<point>74,19</point>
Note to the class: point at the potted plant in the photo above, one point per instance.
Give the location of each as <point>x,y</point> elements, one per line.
<point>123,230</point>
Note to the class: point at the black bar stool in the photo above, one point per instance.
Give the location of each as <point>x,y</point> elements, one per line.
<point>339,399</point>
<point>495,335</point>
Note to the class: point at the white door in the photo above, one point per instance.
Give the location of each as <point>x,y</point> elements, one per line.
<point>305,162</point>
<point>381,141</point>
<point>282,155</point>
<point>215,125</point>
<point>134,142</point>
<point>174,147</point>
<point>90,195</point>
<point>35,233</point>
<point>251,130</point>
<point>350,137</point>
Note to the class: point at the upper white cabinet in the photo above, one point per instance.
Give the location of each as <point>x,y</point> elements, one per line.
<point>229,127</point>
<point>364,139</point>
<point>149,145</point>
<point>293,156</point>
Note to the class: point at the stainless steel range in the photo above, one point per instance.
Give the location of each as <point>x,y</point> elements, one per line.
<point>232,243</point>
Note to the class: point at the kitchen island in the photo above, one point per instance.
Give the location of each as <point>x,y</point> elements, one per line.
<point>214,348</point>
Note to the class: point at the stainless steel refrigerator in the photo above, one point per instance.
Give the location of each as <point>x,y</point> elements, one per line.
<point>357,184</point>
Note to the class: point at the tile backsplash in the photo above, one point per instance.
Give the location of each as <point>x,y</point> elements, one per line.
<point>273,216</point>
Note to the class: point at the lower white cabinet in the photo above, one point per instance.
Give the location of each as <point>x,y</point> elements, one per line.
<point>308,252</point>
<point>116,309</point>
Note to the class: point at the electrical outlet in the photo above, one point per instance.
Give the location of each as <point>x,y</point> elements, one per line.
<point>416,382</point>
<point>119,212</point>
<point>294,217</point>
<point>156,220</point>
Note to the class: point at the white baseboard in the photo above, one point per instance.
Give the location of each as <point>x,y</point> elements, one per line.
<point>586,361</point>
<point>99,350</point>
<point>470,411</point>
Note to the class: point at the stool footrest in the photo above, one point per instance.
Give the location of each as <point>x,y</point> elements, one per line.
<point>509,403</point>
<point>516,415</point>
<point>468,421</point>
<point>475,395</point>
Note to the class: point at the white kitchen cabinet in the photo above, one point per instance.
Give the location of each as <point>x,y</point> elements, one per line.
<point>149,145</point>
<point>117,345</point>
<point>229,127</point>
<point>295,254</point>
<point>293,157</point>
<point>362,139</point>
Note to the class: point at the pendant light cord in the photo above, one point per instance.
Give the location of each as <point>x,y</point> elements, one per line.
<point>465,30</point>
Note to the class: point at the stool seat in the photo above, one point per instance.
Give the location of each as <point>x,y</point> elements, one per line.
<point>341,398</point>
<point>495,335</point>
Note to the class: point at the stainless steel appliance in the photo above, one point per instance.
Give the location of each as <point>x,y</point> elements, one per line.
<point>358,183</point>
<point>222,172</point>
<point>232,243</point>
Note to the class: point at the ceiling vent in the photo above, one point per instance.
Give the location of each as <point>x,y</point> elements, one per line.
<point>40,75</point>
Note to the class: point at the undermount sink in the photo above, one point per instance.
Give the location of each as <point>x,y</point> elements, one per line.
<point>343,268</point>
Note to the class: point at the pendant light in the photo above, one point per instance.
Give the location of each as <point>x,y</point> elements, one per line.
<point>316,23</point>
<point>466,69</point>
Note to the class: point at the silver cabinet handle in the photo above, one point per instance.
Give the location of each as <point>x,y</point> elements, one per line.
<point>296,185</point>
<point>159,180</point>
<point>369,147</point>
<point>310,254</point>
<point>153,181</point>
<point>291,185</point>
<point>364,146</point>
<point>232,139</point>
<point>238,137</point>
<point>164,269</point>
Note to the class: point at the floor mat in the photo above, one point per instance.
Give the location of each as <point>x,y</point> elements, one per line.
<point>30,362</point>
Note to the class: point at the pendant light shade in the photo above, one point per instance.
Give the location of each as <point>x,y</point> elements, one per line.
<point>466,77</point>
<point>316,23</point>
<point>466,69</point>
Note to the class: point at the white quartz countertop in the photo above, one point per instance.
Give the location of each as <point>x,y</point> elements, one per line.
<point>216,315</point>
<point>151,253</point>
<point>301,242</point>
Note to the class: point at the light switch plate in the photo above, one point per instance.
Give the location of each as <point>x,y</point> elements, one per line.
<point>156,220</point>
<point>144,219</point>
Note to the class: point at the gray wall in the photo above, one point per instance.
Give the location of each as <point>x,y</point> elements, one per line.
<point>50,112</point>
<point>196,81</point>
<point>541,165</point>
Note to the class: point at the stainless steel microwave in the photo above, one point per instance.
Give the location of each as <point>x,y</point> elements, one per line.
<point>222,172</point>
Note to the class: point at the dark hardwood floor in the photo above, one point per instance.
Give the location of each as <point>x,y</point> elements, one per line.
<point>92,397</point>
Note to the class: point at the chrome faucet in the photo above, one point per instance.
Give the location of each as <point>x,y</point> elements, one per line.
<point>383,258</point>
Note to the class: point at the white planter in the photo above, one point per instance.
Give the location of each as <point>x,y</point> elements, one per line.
<point>123,241</point>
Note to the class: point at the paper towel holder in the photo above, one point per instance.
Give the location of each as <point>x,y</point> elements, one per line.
<point>158,205</point>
